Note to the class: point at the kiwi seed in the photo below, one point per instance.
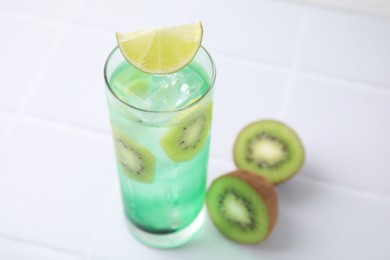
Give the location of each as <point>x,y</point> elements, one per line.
<point>243,206</point>
<point>134,160</point>
<point>269,148</point>
<point>183,141</point>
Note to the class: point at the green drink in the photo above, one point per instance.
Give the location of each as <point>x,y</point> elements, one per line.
<point>161,131</point>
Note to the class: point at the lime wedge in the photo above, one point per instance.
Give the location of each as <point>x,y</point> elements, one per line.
<point>161,50</point>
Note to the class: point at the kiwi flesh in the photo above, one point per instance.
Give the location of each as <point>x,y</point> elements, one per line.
<point>133,160</point>
<point>243,206</point>
<point>183,141</point>
<point>269,148</point>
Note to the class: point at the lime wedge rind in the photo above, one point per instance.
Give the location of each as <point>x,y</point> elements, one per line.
<point>161,50</point>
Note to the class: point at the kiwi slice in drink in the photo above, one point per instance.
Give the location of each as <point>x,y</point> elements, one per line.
<point>184,140</point>
<point>243,206</point>
<point>133,160</point>
<point>269,148</point>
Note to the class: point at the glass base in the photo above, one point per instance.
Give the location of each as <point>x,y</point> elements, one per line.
<point>171,240</point>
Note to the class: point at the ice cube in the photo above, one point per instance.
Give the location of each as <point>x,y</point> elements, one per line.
<point>157,92</point>
<point>174,91</point>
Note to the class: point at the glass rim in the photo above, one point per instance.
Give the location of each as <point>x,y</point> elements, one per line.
<point>210,87</point>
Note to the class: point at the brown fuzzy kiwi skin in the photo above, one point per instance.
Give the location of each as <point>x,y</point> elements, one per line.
<point>265,189</point>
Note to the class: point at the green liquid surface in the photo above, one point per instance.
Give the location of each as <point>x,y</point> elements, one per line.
<point>176,195</point>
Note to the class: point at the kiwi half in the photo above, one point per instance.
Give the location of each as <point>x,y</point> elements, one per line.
<point>243,206</point>
<point>269,148</point>
<point>133,160</point>
<point>184,140</point>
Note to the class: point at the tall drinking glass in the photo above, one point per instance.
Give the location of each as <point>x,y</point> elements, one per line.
<point>161,132</point>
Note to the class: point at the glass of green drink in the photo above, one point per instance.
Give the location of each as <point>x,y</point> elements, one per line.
<point>161,132</point>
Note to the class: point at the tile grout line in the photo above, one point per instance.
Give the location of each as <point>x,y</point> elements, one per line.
<point>289,85</point>
<point>241,59</point>
<point>232,57</point>
<point>33,244</point>
<point>48,57</point>
<point>83,130</point>
<point>266,66</point>
<point>368,193</point>
<point>63,28</point>
<point>356,191</point>
<point>341,9</point>
<point>100,133</point>
<point>235,58</point>
<point>365,85</point>
<point>50,22</point>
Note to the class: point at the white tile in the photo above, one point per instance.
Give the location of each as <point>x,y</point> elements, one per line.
<point>53,184</point>
<point>115,242</point>
<point>123,15</point>
<point>3,124</point>
<point>375,7</point>
<point>313,218</point>
<point>73,88</point>
<point>381,7</point>
<point>264,30</point>
<point>24,45</point>
<point>336,222</point>
<point>13,250</point>
<point>345,130</point>
<point>352,46</point>
<point>49,8</point>
<point>243,93</point>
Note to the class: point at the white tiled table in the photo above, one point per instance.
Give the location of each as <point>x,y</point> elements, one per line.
<point>324,72</point>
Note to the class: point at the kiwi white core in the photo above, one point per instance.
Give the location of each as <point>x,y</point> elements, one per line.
<point>129,156</point>
<point>235,210</point>
<point>193,132</point>
<point>268,150</point>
